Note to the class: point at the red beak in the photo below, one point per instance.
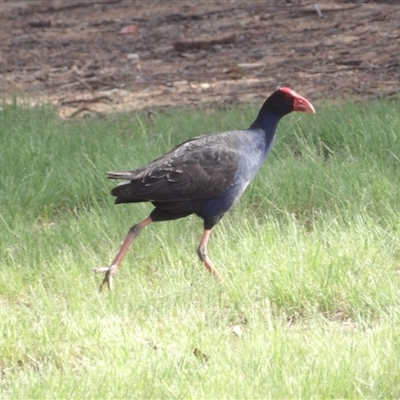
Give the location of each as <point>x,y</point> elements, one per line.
<point>303,105</point>
<point>300,103</point>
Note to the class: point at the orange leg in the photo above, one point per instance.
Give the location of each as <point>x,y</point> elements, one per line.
<point>112,270</point>
<point>202,252</point>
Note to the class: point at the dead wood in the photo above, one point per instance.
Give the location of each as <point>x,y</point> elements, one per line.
<point>186,45</point>
<point>74,5</point>
<point>91,100</point>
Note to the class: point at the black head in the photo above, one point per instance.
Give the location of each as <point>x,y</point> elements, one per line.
<point>283,101</point>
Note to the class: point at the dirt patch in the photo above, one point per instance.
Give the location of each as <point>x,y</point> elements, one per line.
<point>106,55</point>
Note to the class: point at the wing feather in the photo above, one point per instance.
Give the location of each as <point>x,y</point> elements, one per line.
<point>201,168</point>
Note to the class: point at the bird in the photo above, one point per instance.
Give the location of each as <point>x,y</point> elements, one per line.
<point>205,175</point>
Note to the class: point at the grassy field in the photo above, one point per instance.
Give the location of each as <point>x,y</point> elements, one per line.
<point>310,307</point>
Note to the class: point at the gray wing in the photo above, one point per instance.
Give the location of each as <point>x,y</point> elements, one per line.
<point>201,168</point>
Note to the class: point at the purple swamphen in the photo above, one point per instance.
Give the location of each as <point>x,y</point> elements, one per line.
<point>205,175</point>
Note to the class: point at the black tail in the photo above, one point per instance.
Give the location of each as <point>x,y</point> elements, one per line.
<point>124,193</point>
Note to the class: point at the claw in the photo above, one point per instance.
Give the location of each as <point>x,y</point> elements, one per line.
<point>109,275</point>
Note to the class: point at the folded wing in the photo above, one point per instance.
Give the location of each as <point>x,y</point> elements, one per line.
<point>200,168</point>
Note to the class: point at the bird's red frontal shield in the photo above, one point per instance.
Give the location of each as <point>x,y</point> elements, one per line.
<point>300,103</point>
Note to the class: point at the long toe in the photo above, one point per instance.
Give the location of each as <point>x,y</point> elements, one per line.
<point>108,278</point>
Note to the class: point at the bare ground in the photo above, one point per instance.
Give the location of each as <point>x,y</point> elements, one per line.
<point>118,55</point>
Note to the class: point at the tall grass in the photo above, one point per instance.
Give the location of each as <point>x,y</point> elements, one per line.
<point>310,305</point>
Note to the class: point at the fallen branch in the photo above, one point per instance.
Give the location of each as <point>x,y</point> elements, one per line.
<point>298,12</point>
<point>80,110</point>
<point>335,70</point>
<point>177,17</point>
<point>39,23</point>
<point>77,5</point>
<point>92,100</point>
<point>185,45</point>
<point>84,83</point>
<point>318,11</point>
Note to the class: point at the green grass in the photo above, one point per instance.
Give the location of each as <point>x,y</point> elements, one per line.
<point>310,257</point>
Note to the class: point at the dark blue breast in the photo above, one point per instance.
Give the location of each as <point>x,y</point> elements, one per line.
<point>255,148</point>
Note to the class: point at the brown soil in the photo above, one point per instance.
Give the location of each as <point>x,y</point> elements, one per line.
<point>105,55</point>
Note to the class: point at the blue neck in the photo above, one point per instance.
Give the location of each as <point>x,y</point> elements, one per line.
<point>267,122</point>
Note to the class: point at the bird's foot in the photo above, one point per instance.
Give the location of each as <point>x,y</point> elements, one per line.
<point>109,275</point>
